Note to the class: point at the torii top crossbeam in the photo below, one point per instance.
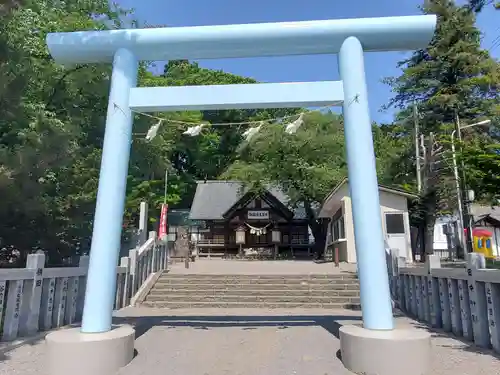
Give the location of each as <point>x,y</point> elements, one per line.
<point>248,40</point>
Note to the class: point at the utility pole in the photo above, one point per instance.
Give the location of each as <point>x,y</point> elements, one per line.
<point>465,199</point>
<point>166,186</point>
<point>423,149</point>
<point>417,147</point>
<point>422,189</point>
<point>460,221</point>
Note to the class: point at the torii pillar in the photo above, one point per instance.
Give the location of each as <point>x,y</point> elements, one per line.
<point>100,348</point>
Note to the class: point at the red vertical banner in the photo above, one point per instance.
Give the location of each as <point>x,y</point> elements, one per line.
<point>162,230</point>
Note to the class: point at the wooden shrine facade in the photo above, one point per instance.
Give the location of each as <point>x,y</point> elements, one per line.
<point>245,223</point>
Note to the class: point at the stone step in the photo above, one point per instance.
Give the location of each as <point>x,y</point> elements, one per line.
<point>262,276</point>
<point>245,305</point>
<point>165,292</point>
<point>253,291</point>
<point>256,286</point>
<point>251,298</point>
<point>258,277</point>
<point>187,280</point>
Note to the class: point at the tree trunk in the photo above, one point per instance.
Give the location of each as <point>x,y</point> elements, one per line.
<point>429,236</point>
<point>421,241</point>
<point>319,231</point>
<point>429,222</point>
<point>430,195</point>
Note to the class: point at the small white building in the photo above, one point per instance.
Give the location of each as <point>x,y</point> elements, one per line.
<point>395,221</point>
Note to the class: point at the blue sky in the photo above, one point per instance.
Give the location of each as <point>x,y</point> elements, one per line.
<point>297,68</point>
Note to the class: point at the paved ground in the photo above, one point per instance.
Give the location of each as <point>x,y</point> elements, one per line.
<point>248,267</point>
<point>249,342</point>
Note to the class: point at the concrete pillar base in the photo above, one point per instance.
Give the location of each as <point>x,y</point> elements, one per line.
<point>396,352</point>
<point>73,352</point>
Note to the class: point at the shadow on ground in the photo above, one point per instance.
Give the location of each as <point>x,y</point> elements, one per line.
<point>331,323</point>
<point>8,346</point>
<point>460,342</point>
<point>442,338</point>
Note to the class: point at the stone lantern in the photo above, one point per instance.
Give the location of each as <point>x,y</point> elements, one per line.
<point>240,239</point>
<point>276,236</point>
<point>240,235</point>
<point>276,239</point>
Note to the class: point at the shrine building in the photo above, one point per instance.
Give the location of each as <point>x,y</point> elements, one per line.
<point>244,223</point>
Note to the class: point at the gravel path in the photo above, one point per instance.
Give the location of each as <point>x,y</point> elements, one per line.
<point>249,342</point>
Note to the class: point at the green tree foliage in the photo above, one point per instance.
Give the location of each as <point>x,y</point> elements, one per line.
<point>452,77</point>
<point>482,162</point>
<point>51,132</point>
<point>478,5</point>
<point>52,127</point>
<point>307,165</point>
<point>207,156</point>
<point>35,141</point>
<point>392,144</point>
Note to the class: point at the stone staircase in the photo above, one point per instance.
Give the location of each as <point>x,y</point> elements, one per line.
<point>253,291</point>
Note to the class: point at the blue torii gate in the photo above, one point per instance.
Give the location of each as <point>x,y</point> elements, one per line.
<point>350,38</point>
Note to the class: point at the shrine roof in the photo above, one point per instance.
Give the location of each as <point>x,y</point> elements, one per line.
<point>215,197</point>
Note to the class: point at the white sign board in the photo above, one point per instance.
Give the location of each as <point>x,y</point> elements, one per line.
<point>258,215</point>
